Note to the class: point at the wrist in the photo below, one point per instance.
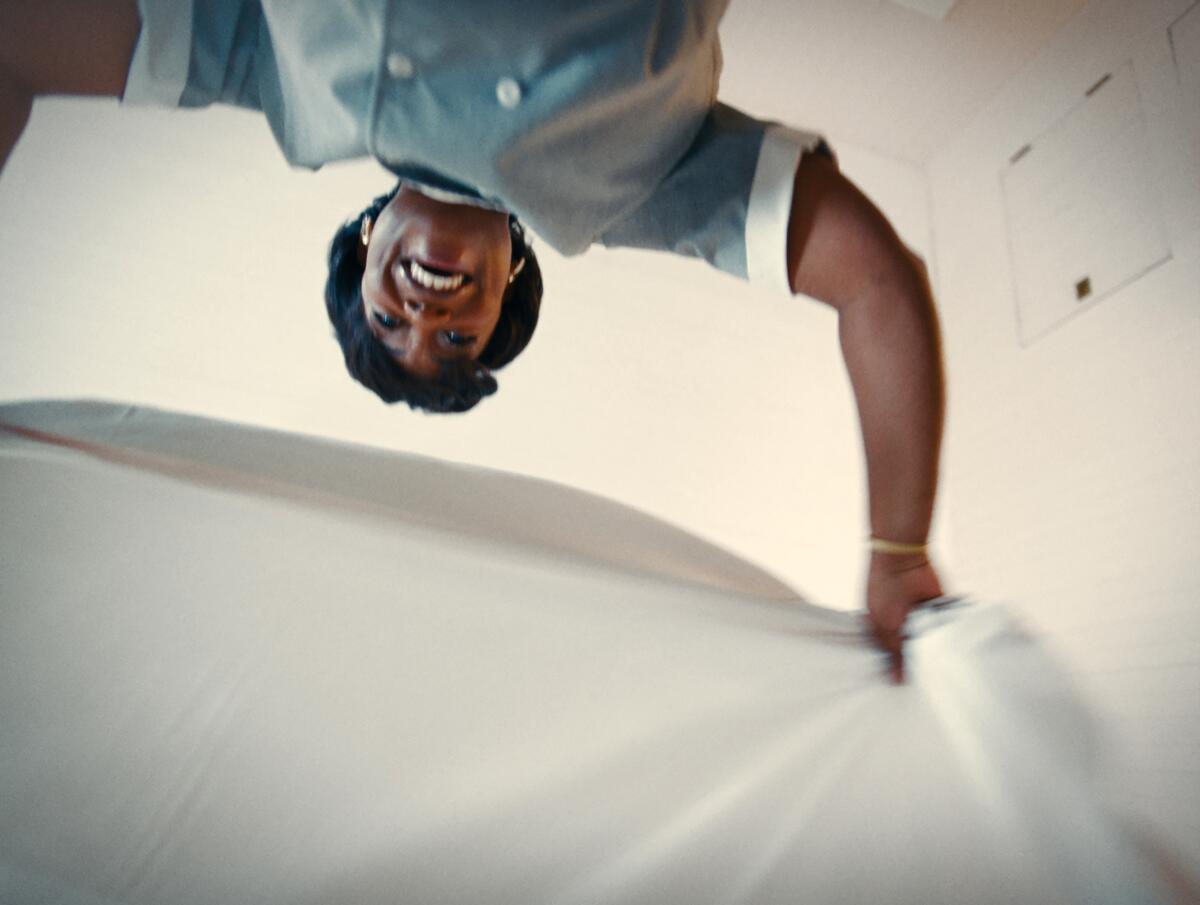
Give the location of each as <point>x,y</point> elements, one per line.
<point>895,564</point>
<point>891,547</point>
<point>894,556</point>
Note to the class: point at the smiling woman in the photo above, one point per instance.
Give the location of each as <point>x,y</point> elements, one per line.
<point>595,122</point>
<point>434,278</point>
<point>427,298</point>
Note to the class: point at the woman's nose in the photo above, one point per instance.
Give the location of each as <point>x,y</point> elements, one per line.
<point>424,310</point>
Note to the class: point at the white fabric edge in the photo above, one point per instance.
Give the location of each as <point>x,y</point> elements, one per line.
<point>159,69</point>
<point>770,207</point>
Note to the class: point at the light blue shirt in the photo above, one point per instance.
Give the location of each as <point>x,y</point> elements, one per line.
<point>591,120</point>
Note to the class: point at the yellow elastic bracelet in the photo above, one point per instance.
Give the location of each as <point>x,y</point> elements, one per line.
<point>879,545</point>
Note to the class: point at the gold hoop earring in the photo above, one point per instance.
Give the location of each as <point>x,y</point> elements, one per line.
<point>516,270</point>
<point>364,232</point>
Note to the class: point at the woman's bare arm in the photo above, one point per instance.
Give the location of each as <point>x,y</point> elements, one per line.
<point>843,251</point>
<point>60,47</point>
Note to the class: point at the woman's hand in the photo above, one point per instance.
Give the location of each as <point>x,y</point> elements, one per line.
<point>895,585</point>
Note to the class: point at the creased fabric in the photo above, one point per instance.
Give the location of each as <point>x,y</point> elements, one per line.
<point>242,666</point>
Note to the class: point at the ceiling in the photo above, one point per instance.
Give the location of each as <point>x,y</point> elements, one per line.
<point>877,74</point>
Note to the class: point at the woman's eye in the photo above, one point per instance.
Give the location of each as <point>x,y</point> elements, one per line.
<point>458,339</point>
<point>386,321</point>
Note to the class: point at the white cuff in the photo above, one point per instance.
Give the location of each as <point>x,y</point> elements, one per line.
<point>770,207</point>
<point>159,69</point>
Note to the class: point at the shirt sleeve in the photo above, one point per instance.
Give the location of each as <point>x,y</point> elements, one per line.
<point>192,53</point>
<point>728,200</point>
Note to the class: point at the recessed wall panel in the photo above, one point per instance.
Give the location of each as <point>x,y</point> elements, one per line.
<point>1082,208</point>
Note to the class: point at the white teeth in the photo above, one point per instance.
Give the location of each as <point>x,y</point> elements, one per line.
<point>437,283</point>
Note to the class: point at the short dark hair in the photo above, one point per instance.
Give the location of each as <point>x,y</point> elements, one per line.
<point>460,384</point>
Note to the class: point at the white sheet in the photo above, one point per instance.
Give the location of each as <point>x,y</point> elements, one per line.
<point>238,666</point>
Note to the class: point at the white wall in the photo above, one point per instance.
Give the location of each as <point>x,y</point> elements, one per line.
<point>1074,463</point>
<point>170,258</point>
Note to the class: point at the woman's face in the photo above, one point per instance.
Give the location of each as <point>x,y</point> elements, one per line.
<point>434,279</point>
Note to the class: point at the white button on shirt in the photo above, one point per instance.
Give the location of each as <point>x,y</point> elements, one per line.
<point>508,93</point>
<point>399,66</point>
